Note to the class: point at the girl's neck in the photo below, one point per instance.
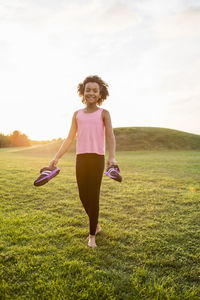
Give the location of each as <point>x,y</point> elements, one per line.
<point>91,107</point>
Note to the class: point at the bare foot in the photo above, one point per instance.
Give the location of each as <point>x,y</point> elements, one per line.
<point>98,229</point>
<point>91,242</point>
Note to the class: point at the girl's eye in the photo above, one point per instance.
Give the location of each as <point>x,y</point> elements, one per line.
<point>89,90</point>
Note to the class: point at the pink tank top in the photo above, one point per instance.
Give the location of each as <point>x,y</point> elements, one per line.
<point>90,133</point>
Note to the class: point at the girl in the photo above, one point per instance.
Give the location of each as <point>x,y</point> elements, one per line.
<point>91,124</point>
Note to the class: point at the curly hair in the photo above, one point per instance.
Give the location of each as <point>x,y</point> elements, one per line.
<point>102,85</point>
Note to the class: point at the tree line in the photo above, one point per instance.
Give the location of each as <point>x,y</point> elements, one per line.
<point>15,139</point>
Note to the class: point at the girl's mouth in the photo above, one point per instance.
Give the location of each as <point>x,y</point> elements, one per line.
<point>90,98</point>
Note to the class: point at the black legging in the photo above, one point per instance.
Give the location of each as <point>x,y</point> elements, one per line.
<point>89,172</point>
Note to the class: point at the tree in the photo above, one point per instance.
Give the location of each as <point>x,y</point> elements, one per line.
<point>4,141</point>
<point>19,139</point>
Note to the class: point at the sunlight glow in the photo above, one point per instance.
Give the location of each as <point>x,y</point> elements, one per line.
<point>148,53</point>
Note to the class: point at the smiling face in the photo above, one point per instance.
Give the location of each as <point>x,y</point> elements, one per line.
<point>92,93</point>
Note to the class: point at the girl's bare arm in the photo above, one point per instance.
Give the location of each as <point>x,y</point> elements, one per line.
<point>67,142</point>
<point>110,138</point>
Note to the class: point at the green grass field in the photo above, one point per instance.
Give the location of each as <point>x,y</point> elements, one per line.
<point>149,245</point>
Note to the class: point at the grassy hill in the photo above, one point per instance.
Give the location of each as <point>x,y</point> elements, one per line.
<point>155,138</point>
<point>134,138</point>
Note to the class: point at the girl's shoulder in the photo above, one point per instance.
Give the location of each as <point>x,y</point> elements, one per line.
<point>105,112</point>
<point>77,111</point>
<point>105,115</point>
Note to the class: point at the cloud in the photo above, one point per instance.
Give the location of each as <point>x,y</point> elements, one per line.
<point>94,17</point>
<point>105,16</point>
<point>184,113</point>
<point>147,50</point>
<point>117,18</point>
<point>174,61</point>
<point>157,8</point>
<point>181,25</point>
<point>188,105</point>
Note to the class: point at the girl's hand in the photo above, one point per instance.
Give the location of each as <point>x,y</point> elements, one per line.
<point>110,162</point>
<point>53,163</point>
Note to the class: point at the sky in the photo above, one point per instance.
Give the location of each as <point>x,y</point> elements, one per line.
<point>148,51</point>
